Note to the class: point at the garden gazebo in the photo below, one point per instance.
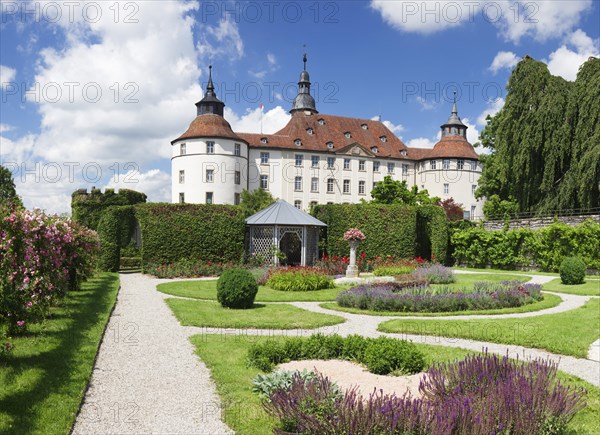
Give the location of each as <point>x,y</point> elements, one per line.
<point>281,228</point>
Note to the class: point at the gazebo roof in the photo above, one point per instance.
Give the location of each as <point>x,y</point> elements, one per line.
<point>283,213</point>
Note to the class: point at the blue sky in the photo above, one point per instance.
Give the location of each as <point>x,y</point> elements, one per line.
<point>92,93</point>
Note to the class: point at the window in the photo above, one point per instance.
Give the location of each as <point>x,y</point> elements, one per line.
<point>365,126</point>
<point>209,197</point>
<point>361,187</point>
<point>314,161</point>
<point>383,138</point>
<point>236,199</point>
<point>237,149</point>
<point>466,215</point>
<point>210,175</point>
<point>473,189</point>
<point>313,203</point>
<point>321,121</point>
<point>391,167</point>
<point>182,149</point>
<point>361,165</point>
<point>404,169</point>
<point>210,148</point>
<point>264,158</point>
<point>330,162</point>
<point>473,165</point>
<point>299,158</point>
<point>297,142</point>
<point>423,166</point>
<point>376,166</point>
<point>432,164</point>
<point>237,177</point>
<point>460,164</point>
<point>181,177</point>
<point>403,153</point>
<point>348,135</point>
<point>314,184</point>
<point>330,183</point>
<point>347,164</point>
<point>375,184</point>
<point>264,181</point>
<point>446,164</point>
<point>330,145</point>
<point>346,186</point>
<point>473,209</point>
<point>446,188</point>
<point>264,140</point>
<point>181,198</point>
<point>298,204</point>
<point>298,184</point>
<point>309,130</point>
<point>375,150</point>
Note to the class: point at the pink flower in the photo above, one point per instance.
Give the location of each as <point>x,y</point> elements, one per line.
<point>354,234</point>
<point>20,323</point>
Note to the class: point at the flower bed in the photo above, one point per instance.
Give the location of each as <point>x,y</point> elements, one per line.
<point>298,279</point>
<point>485,296</point>
<point>335,265</point>
<point>434,274</point>
<point>187,268</point>
<point>479,395</point>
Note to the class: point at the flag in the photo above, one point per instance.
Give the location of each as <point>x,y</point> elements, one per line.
<point>261,106</point>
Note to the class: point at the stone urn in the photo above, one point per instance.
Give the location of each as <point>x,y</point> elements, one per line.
<point>352,270</point>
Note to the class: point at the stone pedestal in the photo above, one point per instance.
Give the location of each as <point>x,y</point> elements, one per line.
<point>352,271</point>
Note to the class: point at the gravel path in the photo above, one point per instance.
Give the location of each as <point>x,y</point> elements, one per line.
<point>147,378</point>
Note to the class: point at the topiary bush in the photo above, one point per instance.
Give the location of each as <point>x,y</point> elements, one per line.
<point>572,271</point>
<point>386,355</point>
<point>236,288</point>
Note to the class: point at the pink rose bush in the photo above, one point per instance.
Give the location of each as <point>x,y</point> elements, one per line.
<point>354,234</point>
<point>41,258</point>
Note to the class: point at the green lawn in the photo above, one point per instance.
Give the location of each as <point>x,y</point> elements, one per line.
<point>43,381</point>
<point>242,411</point>
<point>533,272</point>
<point>264,316</point>
<point>208,290</point>
<point>568,333</point>
<point>591,287</point>
<point>549,301</point>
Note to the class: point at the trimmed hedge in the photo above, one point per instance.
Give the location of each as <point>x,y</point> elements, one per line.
<point>171,232</point>
<point>432,233</point>
<point>88,208</point>
<point>115,229</point>
<point>544,248</point>
<point>236,288</point>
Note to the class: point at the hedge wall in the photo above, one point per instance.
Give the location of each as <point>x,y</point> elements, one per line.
<point>88,208</point>
<point>390,229</point>
<point>432,232</point>
<point>544,248</point>
<point>115,228</point>
<point>172,232</point>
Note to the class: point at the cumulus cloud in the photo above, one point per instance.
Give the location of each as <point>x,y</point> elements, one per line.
<point>250,122</point>
<point>156,184</point>
<point>425,105</point>
<point>504,59</point>
<point>492,108</point>
<point>7,75</point>
<point>513,20</point>
<point>422,142</point>
<point>567,59</point>
<point>223,40</point>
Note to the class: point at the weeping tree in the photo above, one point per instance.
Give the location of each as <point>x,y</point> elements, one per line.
<point>545,142</point>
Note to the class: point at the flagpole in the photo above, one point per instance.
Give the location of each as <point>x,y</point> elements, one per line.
<point>261,116</point>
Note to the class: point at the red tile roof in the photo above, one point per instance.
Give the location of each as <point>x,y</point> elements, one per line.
<point>209,125</point>
<point>453,146</point>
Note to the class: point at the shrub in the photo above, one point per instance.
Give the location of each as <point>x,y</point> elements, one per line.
<point>265,385</point>
<point>186,268</point>
<point>299,279</point>
<point>434,274</point>
<point>387,355</point>
<point>517,398</point>
<point>385,297</point>
<point>393,270</point>
<point>398,355</point>
<point>572,271</point>
<point>236,288</point>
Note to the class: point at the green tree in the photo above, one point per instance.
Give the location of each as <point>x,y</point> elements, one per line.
<point>545,142</point>
<point>390,191</point>
<point>454,211</point>
<point>254,201</point>
<point>497,208</point>
<point>8,192</point>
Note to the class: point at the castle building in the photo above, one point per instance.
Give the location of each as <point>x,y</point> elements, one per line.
<point>316,158</point>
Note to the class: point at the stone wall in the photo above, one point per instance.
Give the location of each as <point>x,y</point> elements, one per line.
<point>535,223</point>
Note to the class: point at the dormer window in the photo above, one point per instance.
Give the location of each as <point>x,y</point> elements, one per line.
<point>297,142</point>
<point>321,121</point>
<point>348,135</point>
<point>364,126</point>
<point>375,149</point>
<point>263,140</point>
<point>383,138</point>
<point>309,131</point>
<point>330,145</point>
<point>403,153</point>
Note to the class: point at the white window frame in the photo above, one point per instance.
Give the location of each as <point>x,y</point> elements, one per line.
<point>404,169</point>
<point>314,161</point>
<point>330,183</point>
<point>210,147</point>
<point>314,184</point>
<point>361,187</point>
<point>460,164</point>
<point>346,187</point>
<point>210,176</point>
<point>376,166</point>
<point>446,164</point>
<point>298,183</point>
<point>212,198</point>
<point>181,177</point>
<point>432,164</point>
<point>330,162</point>
<point>362,165</point>
<point>264,158</point>
<point>298,160</point>
<point>347,164</point>
<point>182,149</point>
<point>446,189</point>
<point>391,167</point>
<point>237,149</point>
<point>264,182</point>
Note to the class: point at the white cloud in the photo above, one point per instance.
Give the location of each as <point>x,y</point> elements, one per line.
<point>271,66</point>
<point>5,127</point>
<point>250,122</point>
<point>155,183</point>
<point>7,75</point>
<point>223,40</point>
<point>422,142</point>
<point>425,105</point>
<point>514,20</point>
<point>394,128</point>
<point>472,131</point>
<point>493,108</point>
<point>271,59</point>
<point>565,62</point>
<point>504,59</point>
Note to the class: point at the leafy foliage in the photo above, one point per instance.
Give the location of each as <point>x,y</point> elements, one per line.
<point>115,229</point>
<point>254,201</point>
<point>572,271</point>
<point>544,248</point>
<point>393,270</point>
<point>454,211</point>
<point>266,385</point>
<point>236,288</point>
<point>432,233</point>
<point>8,192</point>
<point>390,191</point>
<point>496,208</point>
<point>186,268</point>
<point>298,280</point>
<point>545,141</point>
<point>87,209</point>
<point>434,274</point>
<point>400,355</point>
